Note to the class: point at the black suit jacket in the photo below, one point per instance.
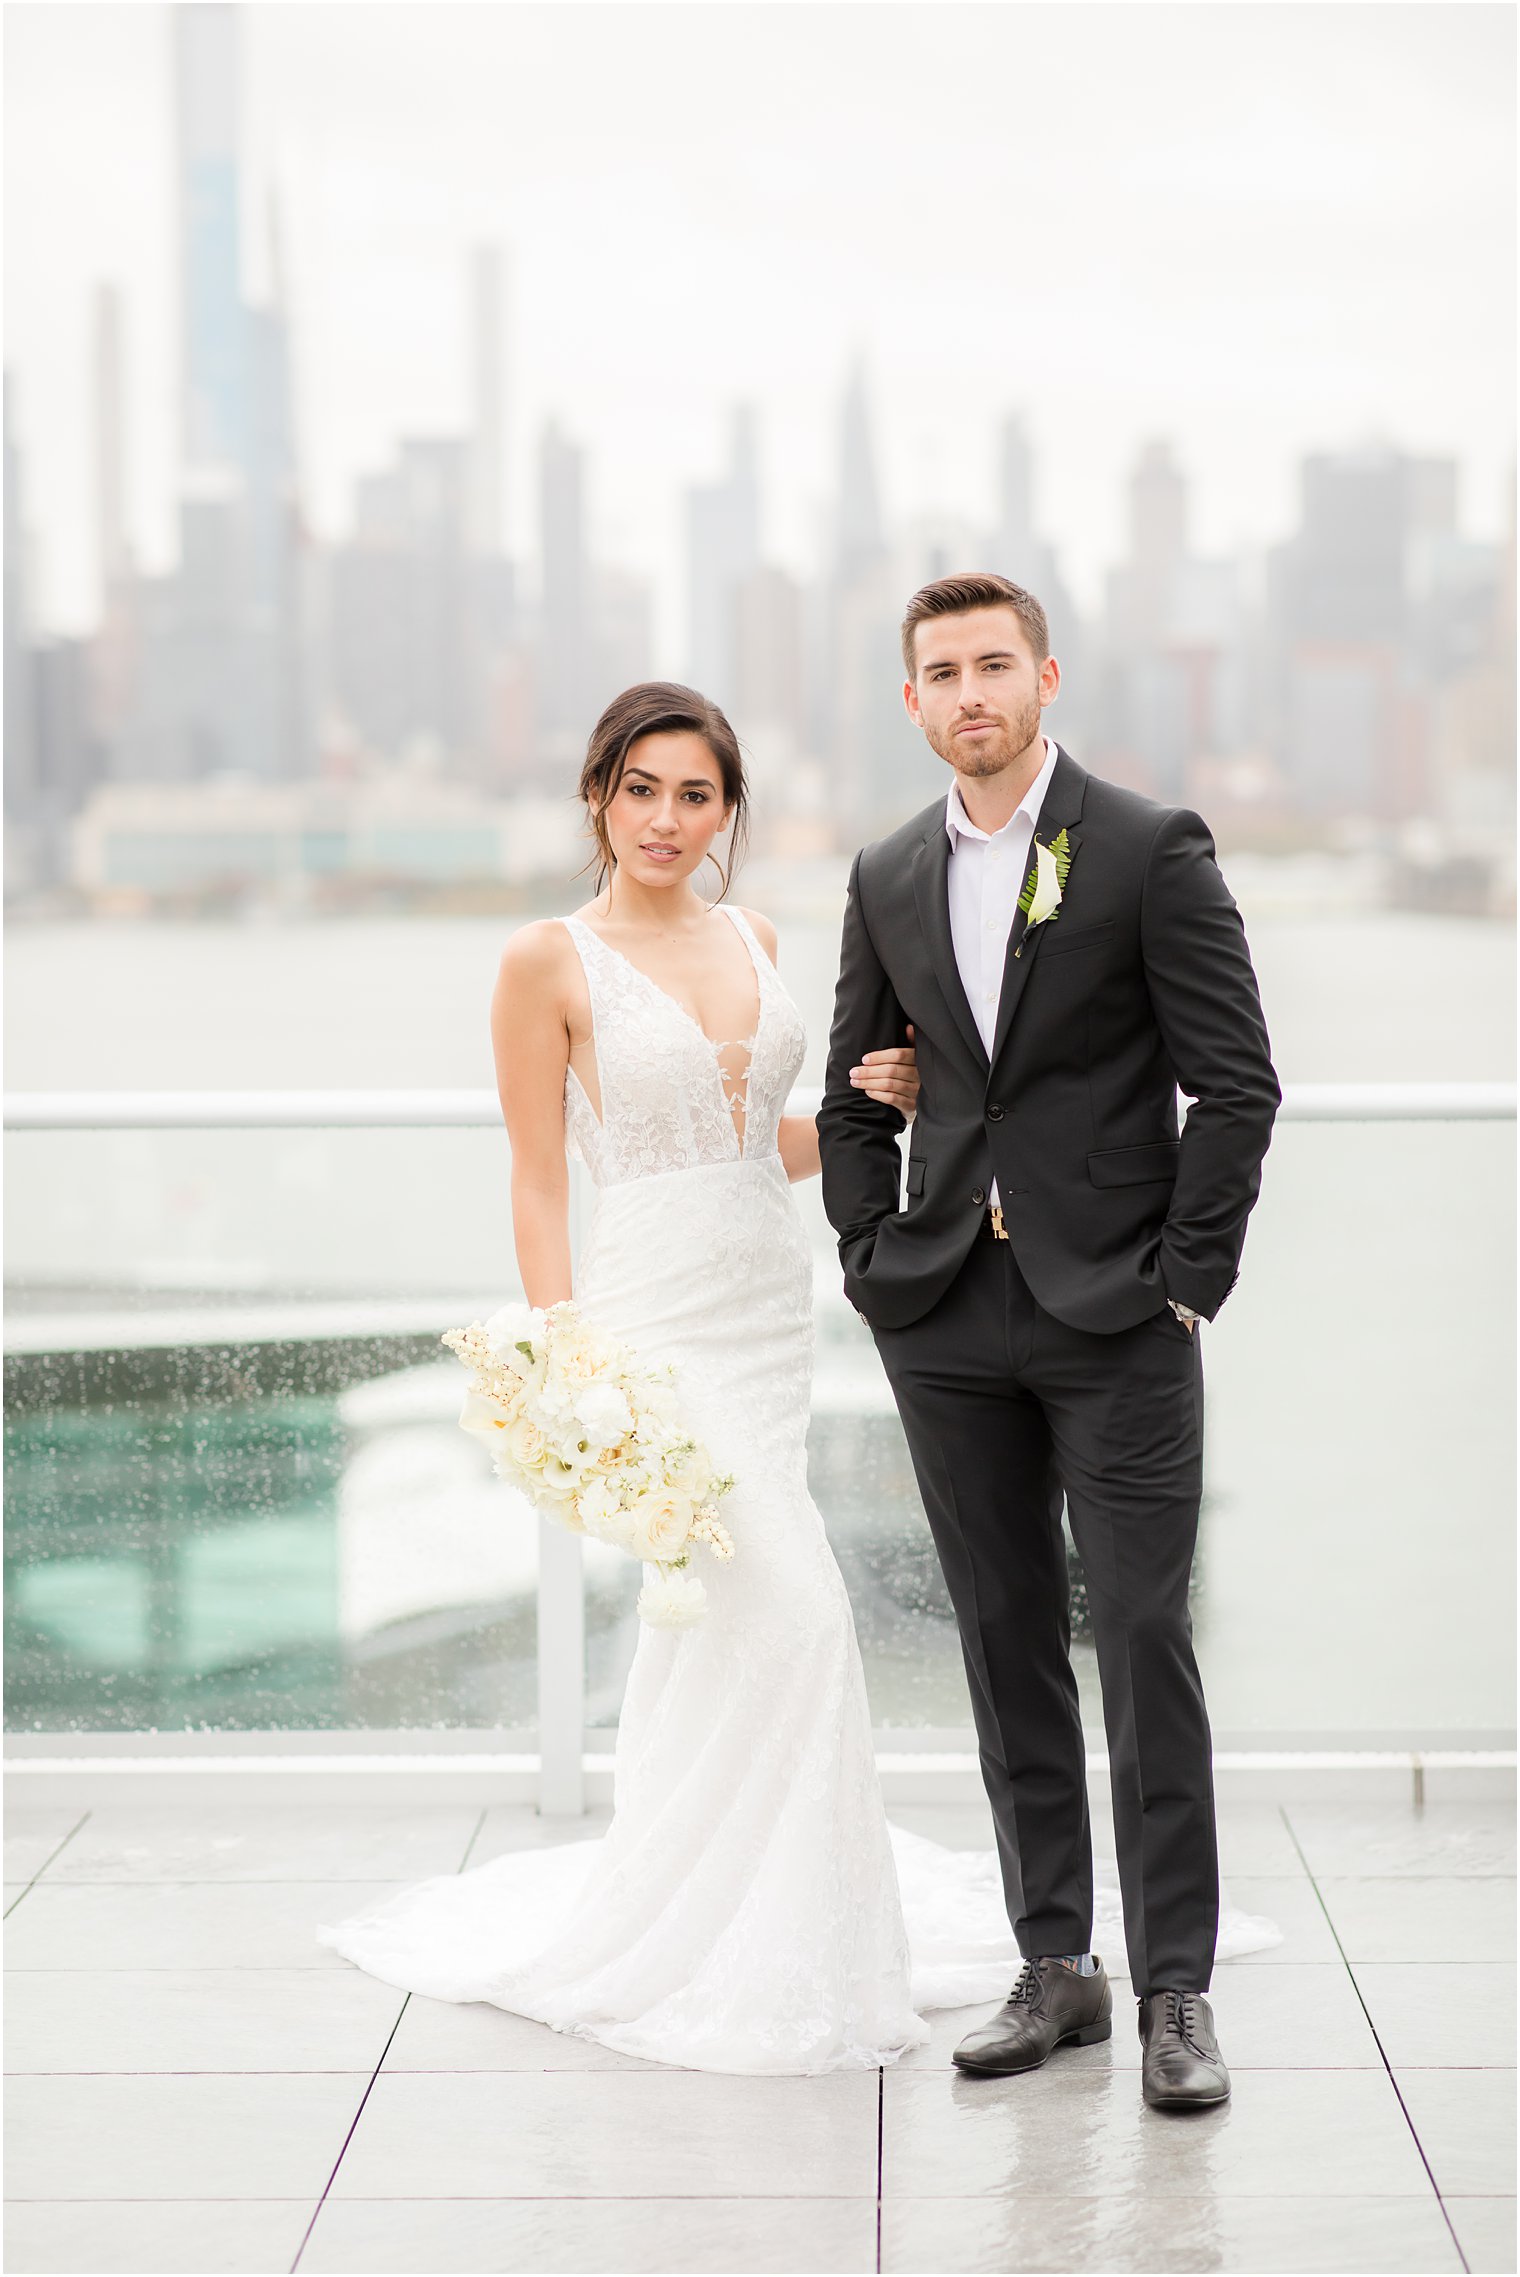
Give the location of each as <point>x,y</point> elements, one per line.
<point>1142,985</point>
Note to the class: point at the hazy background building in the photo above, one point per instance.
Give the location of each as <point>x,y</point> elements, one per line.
<point>1349,671</point>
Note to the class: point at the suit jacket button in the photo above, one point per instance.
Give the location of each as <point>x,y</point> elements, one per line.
<point>978,1196</point>
<point>994,1114</point>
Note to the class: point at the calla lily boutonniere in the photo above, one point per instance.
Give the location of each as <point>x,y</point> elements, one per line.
<point>1045,884</point>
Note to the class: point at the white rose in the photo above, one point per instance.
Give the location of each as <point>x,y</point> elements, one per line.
<point>661,1525</point>
<point>672,1599</point>
<point>691,1470</point>
<point>526,1445</point>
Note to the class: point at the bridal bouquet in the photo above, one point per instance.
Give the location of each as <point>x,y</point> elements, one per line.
<point>592,1436</point>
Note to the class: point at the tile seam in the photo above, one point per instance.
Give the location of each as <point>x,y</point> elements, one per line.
<point>1377,2037</point>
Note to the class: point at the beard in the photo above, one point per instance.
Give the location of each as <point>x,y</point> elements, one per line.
<point>990,754</point>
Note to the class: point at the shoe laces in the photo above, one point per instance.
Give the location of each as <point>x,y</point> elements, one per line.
<point>1182,2017</point>
<point>1028,1988</point>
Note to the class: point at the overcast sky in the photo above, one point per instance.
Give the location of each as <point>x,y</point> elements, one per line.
<point>1255,229</point>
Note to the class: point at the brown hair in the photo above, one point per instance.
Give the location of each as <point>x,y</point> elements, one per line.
<point>660,707</point>
<point>954,596</point>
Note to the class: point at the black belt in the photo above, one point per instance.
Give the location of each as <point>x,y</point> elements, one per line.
<point>988,1229</point>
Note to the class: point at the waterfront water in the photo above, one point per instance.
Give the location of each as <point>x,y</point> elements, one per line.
<point>1351,996</point>
<point>1356,1555</point>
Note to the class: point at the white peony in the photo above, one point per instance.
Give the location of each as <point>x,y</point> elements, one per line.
<point>658,1402</point>
<point>512,1325</point>
<point>672,1598</point>
<point>603,1515</point>
<point>604,1414</point>
<point>581,1354</point>
<point>554,1403</point>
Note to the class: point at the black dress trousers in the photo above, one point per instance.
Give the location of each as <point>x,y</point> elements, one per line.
<point>1004,1407</point>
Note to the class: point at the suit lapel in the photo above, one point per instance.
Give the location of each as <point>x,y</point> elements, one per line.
<point>1060,809</point>
<point>931,892</point>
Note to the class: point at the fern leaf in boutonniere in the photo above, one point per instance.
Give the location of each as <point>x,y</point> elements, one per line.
<point>1045,884</point>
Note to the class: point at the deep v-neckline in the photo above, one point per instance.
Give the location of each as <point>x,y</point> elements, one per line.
<point>713,1044</point>
<point>715,1047</point>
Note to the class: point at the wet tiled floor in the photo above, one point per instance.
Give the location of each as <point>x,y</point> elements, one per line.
<point>195,2085</point>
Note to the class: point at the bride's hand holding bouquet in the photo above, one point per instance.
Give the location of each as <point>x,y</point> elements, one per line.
<point>592,1435</point>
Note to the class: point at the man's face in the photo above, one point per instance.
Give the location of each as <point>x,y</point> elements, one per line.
<point>978,693</point>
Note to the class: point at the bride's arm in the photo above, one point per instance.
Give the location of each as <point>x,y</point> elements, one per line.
<point>890,1075</point>
<point>531,1044</point>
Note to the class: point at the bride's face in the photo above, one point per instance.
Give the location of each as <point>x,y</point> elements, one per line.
<point>667,809</point>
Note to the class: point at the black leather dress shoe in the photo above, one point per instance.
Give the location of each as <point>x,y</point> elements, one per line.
<point>1181,2068</point>
<point>1048,2006</point>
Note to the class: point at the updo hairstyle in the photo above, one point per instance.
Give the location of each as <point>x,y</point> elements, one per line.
<point>660,707</point>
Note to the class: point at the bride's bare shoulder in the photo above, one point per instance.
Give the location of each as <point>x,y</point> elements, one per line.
<point>538,957</point>
<point>764,931</point>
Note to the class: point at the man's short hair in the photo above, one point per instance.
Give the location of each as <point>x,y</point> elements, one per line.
<point>954,596</point>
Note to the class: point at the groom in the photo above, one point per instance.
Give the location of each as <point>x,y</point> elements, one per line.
<point>1068,955</point>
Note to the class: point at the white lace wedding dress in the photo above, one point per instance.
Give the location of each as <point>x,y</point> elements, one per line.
<point>748,1909</point>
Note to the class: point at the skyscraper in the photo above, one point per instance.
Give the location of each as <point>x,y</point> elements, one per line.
<point>114,653</point>
<point>1157,510</point>
<point>1170,692</point>
<point>52,754</point>
<point>722,552</point>
<point>767,693</point>
<point>275,550</point>
<point>858,542</point>
<point>213,334</point>
<point>1349,731</point>
<point>20,716</point>
<point>1014,537</point>
<point>220,675</point>
<point>565,632</point>
<point>487,406</point>
<point>110,501</point>
<point>875,755</point>
<point>1019,552</point>
<point>399,624</point>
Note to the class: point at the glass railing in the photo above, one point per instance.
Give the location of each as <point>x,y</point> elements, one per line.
<point>238,1499</point>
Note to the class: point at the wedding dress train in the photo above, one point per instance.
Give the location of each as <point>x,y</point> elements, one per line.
<point>748,1909</point>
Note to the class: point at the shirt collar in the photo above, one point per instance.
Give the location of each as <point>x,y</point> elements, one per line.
<point>958,822</point>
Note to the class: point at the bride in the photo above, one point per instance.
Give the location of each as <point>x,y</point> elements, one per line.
<point>748,1908</point>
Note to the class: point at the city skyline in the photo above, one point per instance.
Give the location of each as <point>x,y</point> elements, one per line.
<point>1426,215</point>
<point>392,698</point>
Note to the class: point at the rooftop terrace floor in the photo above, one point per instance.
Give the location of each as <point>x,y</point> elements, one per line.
<point>195,2085</point>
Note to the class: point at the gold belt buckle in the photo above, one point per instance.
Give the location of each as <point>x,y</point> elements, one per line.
<point>999,1230</point>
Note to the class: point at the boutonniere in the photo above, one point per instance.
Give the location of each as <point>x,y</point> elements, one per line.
<point>1045,884</point>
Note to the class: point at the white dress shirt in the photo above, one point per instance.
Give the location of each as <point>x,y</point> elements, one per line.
<point>986,875</point>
